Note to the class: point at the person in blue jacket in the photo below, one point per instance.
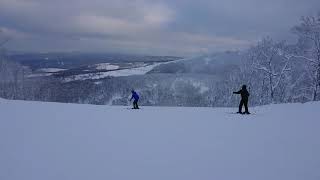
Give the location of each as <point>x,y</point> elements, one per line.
<point>135,98</point>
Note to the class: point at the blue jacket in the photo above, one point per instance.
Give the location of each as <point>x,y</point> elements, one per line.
<point>134,96</point>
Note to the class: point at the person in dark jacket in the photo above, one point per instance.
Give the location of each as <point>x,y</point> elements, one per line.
<point>244,99</point>
<point>135,98</point>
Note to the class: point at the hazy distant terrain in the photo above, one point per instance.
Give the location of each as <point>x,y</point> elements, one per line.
<point>69,65</point>
<point>206,80</point>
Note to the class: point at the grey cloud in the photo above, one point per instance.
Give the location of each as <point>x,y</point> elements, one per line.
<point>154,27</point>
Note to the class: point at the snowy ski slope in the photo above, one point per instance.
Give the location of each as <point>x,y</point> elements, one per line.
<point>52,141</point>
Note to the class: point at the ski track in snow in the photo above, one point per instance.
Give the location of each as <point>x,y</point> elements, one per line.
<point>53,141</point>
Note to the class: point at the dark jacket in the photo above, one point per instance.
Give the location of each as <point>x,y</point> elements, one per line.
<point>244,93</point>
<point>134,96</point>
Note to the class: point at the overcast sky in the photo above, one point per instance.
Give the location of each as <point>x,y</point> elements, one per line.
<point>160,27</point>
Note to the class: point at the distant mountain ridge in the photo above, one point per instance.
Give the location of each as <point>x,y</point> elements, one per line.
<point>76,60</point>
<point>212,64</point>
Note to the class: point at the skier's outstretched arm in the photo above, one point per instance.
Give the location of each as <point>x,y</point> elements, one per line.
<point>237,92</point>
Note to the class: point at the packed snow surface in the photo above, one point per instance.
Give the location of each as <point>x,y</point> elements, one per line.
<point>52,141</point>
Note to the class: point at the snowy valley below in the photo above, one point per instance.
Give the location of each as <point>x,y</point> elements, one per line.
<point>55,141</point>
<point>201,81</point>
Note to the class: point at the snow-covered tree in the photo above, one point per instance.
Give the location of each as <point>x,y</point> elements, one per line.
<point>11,73</point>
<point>308,32</point>
<point>272,60</point>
